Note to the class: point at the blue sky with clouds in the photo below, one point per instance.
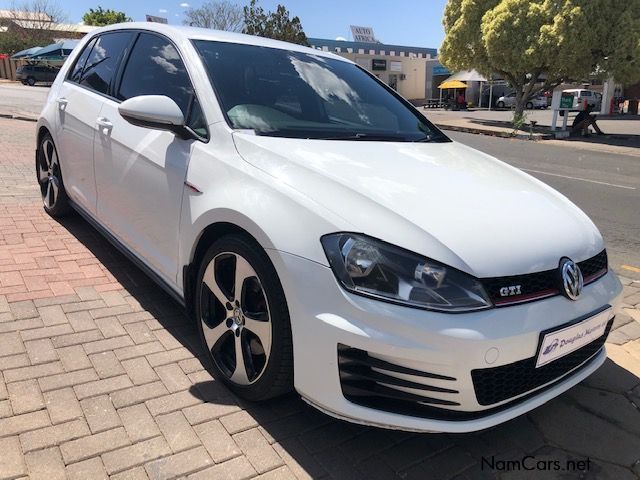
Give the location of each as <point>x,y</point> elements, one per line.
<point>405,22</point>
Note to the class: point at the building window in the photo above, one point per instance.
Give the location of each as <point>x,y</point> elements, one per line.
<point>350,50</point>
<point>382,52</point>
<point>402,54</point>
<point>392,53</point>
<point>361,51</point>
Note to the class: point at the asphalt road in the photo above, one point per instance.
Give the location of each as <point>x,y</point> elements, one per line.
<point>605,185</point>
<point>20,99</point>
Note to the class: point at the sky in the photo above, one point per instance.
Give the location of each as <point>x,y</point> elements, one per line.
<point>415,23</point>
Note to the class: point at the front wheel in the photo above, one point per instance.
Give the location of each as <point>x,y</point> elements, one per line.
<point>500,105</point>
<point>31,81</point>
<point>49,174</point>
<point>529,105</point>
<point>243,319</point>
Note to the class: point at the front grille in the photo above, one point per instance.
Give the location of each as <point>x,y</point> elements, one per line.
<point>535,286</point>
<point>493,385</point>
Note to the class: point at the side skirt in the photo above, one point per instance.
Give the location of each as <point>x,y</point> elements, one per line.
<point>129,254</point>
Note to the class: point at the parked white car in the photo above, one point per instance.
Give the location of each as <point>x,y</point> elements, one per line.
<point>322,233</point>
<point>593,98</point>
<point>509,101</point>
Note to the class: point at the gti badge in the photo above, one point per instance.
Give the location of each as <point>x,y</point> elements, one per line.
<point>511,291</point>
<point>571,276</point>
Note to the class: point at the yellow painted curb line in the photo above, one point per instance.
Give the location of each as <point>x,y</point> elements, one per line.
<point>629,267</point>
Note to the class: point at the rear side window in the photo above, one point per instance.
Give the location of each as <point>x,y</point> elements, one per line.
<point>103,61</point>
<point>155,68</point>
<point>76,71</point>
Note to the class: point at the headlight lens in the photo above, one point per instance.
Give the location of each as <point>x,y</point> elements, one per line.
<point>370,267</point>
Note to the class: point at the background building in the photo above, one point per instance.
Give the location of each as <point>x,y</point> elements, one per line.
<point>401,67</point>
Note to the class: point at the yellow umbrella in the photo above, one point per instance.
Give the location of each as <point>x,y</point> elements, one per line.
<point>452,84</point>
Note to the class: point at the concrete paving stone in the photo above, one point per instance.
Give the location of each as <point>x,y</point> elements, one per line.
<point>633,299</point>
<point>11,461</point>
<point>168,340</point>
<point>93,445</point>
<point>99,387</point>
<point>302,463</point>
<point>375,469</point>
<point>36,371</point>
<point>110,327</point>
<point>83,305</point>
<point>177,431</point>
<point>51,332</point>
<point>41,351</point>
<point>52,315</point>
<point>4,394</point>
<point>10,344</point>
<point>142,350</point>
<point>282,473</point>
<point>171,356</point>
<point>237,468</point>
<point>100,414</point>
<point>137,473</point>
<point>138,423</point>
<point>617,337</point>
<point>583,433</point>
<point>73,358</point>
<point>81,321</point>
<point>138,394</point>
<point>19,325</point>
<point>330,435</point>
<point>414,449</point>
<point>179,464</point>
<point>70,339</point>
<point>134,317</point>
<point>631,330</point>
<point>204,412</point>
<point>113,298</point>
<point>106,364</point>
<point>14,361</point>
<point>139,371</point>
<point>257,450</point>
<point>54,435</point>
<point>107,344</point>
<point>87,293</point>
<point>173,377</point>
<point>612,378</point>
<point>140,333</point>
<point>338,464</point>
<point>58,300</point>
<point>23,423</point>
<point>446,464</point>
<point>613,407</point>
<point>24,309</point>
<point>220,445</point>
<point>5,409</point>
<point>25,397</point>
<point>633,313</point>
<point>62,380</point>
<point>45,464</point>
<point>362,447</point>
<point>109,311</point>
<point>191,365</point>
<point>238,422</point>
<point>135,455</point>
<point>89,469</point>
<point>172,402</point>
<point>62,405</point>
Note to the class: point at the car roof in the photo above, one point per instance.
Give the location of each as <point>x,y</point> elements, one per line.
<point>195,33</point>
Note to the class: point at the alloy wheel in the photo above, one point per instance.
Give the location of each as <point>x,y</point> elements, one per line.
<point>235,317</point>
<point>49,173</point>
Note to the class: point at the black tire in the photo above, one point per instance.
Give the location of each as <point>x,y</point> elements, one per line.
<point>275,377</point>
<point>24,82</point>
<point>500,105</point>
<point>31,81</point>
<point>49,176</point>
<point>529,105</point>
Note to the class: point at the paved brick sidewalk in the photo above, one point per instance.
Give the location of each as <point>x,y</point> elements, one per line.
<point>99,376</point>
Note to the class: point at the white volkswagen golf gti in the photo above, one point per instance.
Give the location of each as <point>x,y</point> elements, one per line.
<point>323,234</point>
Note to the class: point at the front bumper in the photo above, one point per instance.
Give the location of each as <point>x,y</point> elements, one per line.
<point>448,347</point>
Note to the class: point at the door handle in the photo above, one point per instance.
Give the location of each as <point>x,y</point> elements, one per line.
<point>62,103</point>
<point>104,123</point>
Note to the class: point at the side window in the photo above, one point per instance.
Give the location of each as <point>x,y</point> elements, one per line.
<point>155,68</point>
<point>103,61</point>
<point>76,71</point>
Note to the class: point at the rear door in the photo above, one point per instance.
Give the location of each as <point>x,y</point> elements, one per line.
<point>140,172</point>
<point>80,99</point>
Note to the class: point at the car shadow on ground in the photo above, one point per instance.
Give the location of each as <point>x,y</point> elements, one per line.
<point>316,445</point>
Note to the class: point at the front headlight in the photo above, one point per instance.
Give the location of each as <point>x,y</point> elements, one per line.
<point>373,268</point>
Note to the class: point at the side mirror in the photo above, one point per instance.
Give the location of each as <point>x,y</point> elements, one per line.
<point>154,111</point>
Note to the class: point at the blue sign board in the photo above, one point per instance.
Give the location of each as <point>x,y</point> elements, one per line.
<point>440,70</point>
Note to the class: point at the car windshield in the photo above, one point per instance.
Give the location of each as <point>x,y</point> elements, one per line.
<point>285,93</point>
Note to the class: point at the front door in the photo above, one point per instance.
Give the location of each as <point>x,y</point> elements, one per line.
<point>140,172</point>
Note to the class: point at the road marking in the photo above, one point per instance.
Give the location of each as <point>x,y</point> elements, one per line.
<point>629,267</point>
<point>578,178</point>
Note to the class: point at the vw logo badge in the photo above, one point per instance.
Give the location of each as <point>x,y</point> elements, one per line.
<point>572,280</point>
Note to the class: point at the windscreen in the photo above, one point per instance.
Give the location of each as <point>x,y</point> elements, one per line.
<point>284,93</point>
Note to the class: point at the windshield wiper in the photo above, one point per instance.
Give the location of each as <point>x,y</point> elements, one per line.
<point>367,136</point>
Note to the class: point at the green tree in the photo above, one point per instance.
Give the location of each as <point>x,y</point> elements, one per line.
<point>100,17</point>
<point>538,44</point>
<point>219,15</point>
<point>276,25</point>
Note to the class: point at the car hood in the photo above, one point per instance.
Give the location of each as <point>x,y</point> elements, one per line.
<point>443,200</point>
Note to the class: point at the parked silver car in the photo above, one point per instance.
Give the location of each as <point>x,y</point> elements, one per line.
<point>509,101</point>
